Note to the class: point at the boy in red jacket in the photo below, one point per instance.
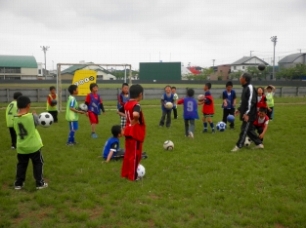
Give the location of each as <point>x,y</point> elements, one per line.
<point>134,132</point>
<point>208,108</point>
<point>261,123</point>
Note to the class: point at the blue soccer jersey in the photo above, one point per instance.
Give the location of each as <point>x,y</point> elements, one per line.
<point>112,144</point>
<point>167,98</point>
<point>230,97</point>
<point>190,108</point>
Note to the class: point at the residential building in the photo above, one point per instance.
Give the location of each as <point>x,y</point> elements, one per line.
<point>292,60</point>
<point>246,61</point>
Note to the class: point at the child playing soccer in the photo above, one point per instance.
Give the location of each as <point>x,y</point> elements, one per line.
<point>166,97</point>
<point>11,111</point>
<point>72,114</point>
<point>261,123</point>
<point>134,133</point>
<point>270,100</point>
<point>94,103</point>
<point>111,147</point>
<point>123,97</point>
<point>208,108</point>
<point>190,112</point>
<point>29,144</point>
<point>175,98</point>
<point>261,98</point>
<point>52,103</point>
<point>229,102</point>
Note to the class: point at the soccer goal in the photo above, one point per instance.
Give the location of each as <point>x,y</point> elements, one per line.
<point>79,66</point>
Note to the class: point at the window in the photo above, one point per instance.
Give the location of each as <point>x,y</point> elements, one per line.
<point>234,67</point>
<point>11,70</point>
<point>242,67</point>
<point>39,71</point>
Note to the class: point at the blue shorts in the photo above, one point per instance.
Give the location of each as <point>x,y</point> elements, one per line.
<point>73,125</point>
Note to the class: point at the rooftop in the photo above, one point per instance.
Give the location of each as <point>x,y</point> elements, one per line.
<point>23,61</point>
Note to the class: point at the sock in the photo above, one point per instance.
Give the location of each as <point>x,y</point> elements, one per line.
<point>212,125</point>
<point>71,137</point>
<point>205,125</point>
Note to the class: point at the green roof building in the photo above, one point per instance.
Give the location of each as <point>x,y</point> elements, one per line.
<point>18,67</point>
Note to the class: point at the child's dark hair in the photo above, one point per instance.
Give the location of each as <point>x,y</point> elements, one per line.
<point>124,84</point>
<point>263,90</point>
<point>263,110</point>
<point>52,88</point>
<point>116,130</point>
<point>269,87</point>
<point>135,91</point>
<point>208,84</point>
<point>229,83</point>
<point>16,95</point>
<point>92,85</point>
<point>173,87</point>
<point>72,88</point>
<point>190,92</point>
<point>23,101</point>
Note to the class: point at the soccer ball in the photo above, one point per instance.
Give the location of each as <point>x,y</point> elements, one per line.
<point>141,171</point>
<point>261,67</point>
<point>45,119</point>
<point>201,97</point>
<point>83,107</point>
<point>221,126</point>
<point>247,141</point>
<point>230,118</point>
<point>53,102</point>
<point>169,105</point>
<point>168,145</point>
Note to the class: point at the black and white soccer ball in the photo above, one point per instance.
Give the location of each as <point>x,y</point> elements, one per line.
<point>221,126</point>
<point>141,171</point>
<point>45,119</point>
<point>168,145</point>
<point>83,107</point>
<point>247,141</point>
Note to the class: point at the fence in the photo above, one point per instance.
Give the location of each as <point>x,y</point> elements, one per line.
<point>40,95</point>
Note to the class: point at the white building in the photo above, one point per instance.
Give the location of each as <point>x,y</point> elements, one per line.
<point>244,62</point>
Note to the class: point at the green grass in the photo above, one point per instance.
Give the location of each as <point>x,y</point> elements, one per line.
<point>199,184</point>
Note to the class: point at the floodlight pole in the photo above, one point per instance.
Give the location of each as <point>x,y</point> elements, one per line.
<point>274,40</point>
<point>45,49</point>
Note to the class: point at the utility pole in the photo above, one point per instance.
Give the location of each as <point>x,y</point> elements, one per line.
<point>45,49</point>
<point>213,62</point>
<point>274,40</point>
<point>251,53</point>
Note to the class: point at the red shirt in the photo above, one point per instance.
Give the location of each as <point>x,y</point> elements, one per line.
<point>262,103</point>
<point>261,122</point>
<point>208,106</point>
<point>50,98</point>
<point>138,130</point>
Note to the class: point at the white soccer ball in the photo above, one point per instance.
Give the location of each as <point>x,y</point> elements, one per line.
<point>201,97</point>
<point>221,126</point>
<point>169,105</point>
<point>141,171</point>
<point>247,141</point>
<point>168,145</point>
<point>83,107</point>
<point>45,119</point>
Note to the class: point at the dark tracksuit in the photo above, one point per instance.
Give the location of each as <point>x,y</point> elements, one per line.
<point>248,106</point>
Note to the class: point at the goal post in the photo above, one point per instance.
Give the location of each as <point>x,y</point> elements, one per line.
<point>59,76</point>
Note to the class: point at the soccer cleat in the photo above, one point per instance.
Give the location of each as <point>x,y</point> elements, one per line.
<point>190,135</point>
<point>18,187</point>
<point>235,149</point>
<point>71,143</point>
<point>204,130</point>
<point>94,135</point>
<point>45,185</point>
<point>144,155</point>
<point>13,147</point>
<point>259,146</point>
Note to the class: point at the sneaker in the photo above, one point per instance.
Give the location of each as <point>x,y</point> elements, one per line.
<point>235,149</point>
<point>13,148</point>
<point>204,130</point>
<point>190,135</point>
<point>260,146</point>
<point>71,143</point>
<point>18,187</point>
<point>94,135</point>
<point>45,185</point>
<point>144,155</point>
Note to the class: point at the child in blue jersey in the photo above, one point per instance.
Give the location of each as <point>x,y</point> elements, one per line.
<point>111,149</point>
<point>166,97</point>
<point>229,102</point>
<point>190,112</point>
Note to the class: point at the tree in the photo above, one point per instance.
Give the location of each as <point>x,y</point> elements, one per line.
<point>235,75</point>
<point>296,72</point>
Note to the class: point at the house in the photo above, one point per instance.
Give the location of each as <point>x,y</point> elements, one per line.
<point>18,67</point>
<point>221,72</point>
<point>246,61</point>
<point>101,72</point>
<point>292,60</point>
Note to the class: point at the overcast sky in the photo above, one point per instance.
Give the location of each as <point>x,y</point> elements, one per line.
<point>133,31</point>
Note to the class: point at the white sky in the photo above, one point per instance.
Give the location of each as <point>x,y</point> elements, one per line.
<point>133,31</point>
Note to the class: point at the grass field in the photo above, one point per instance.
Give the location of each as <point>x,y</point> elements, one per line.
<point>199,184</point>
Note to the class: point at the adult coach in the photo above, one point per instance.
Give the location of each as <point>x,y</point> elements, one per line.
<point>248,112</point>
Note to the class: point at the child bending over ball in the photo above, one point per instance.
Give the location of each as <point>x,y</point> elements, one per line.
<point>94,103</point>
<point>229,102</point>
<point>166,112</point>
<point>190,112</point>
<point>261,123</point>
<point>72,113</point>
<point>208,108</point>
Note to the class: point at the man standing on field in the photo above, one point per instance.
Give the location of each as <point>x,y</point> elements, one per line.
<point>247,111</point>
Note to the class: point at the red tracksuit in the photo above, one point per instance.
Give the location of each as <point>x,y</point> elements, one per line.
<point>134,137</point>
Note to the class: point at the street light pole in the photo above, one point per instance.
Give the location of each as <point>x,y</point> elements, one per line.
<point>274,40</point>
<point>213,62</point>
<point>45,49</point>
